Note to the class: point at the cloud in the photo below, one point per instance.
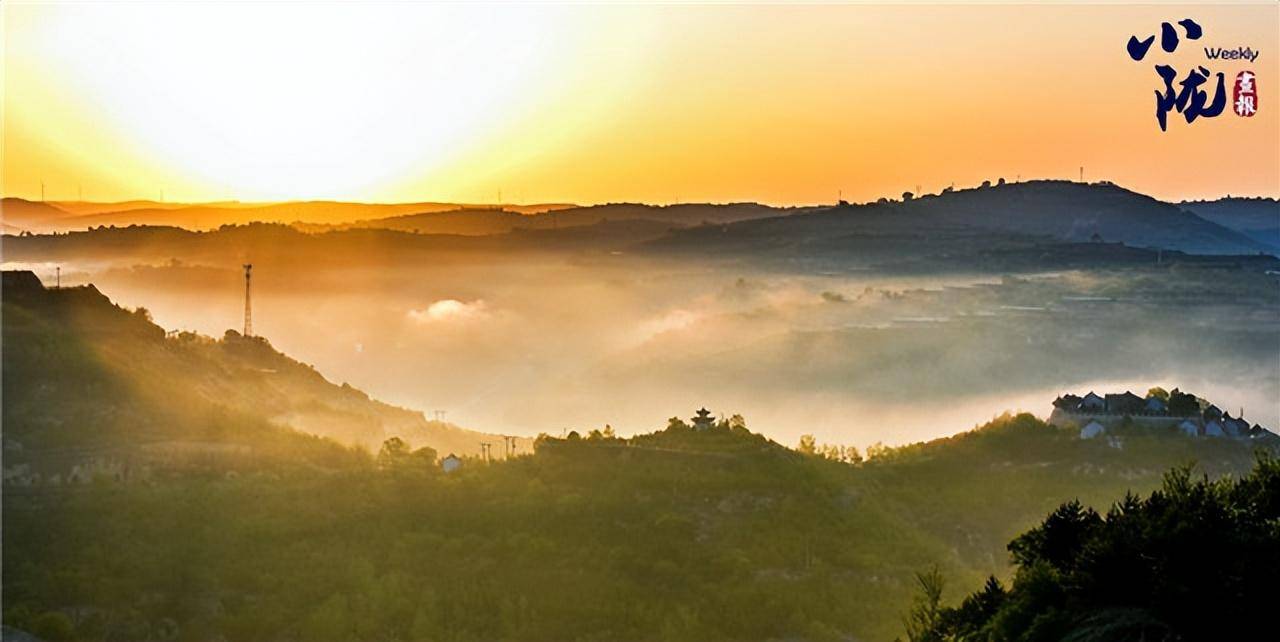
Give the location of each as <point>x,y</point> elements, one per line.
<point>450,310</point>
<point>672,321</point>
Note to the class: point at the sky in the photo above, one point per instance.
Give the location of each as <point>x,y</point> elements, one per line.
<point>781,104</point>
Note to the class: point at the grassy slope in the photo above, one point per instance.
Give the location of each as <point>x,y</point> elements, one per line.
<point>83,372</point>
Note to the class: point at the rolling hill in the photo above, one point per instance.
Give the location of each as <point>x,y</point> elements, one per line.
<point>70,215</point>
<point>20,215</point>
<point>492,220</point>
<point>1257,218</point>
<point>676,535</point>
<point>82,374</point>
<point>322,216</point>
<point>969,224</point>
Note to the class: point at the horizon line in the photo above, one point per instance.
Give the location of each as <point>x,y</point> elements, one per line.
<point>576,204</point>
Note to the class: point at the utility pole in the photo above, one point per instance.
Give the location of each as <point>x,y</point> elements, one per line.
<point>57,283</point>
<point>1082,173</point>
<point>485,450</point>
<point>248,300</point>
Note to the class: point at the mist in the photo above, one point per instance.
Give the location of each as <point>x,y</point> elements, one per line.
<point>529,343</point>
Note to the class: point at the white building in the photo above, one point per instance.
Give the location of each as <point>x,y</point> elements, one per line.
<point>1189,428</point>
<point>1213,429</point>
<point>1092,429</point>
<point>450,463</point>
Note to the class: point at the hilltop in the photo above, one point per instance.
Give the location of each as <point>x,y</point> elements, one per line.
<point>84,375</point>
<point>1047,223</point>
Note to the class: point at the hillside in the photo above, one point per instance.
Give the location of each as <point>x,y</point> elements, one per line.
<point>1040,220</point>
<point>74,215</point>
<point>1257,218</point>
<point>21,215</point>
<point>84,374</point>
<point>482,221</point>
<point>289,245</point>
<point>679,534</point>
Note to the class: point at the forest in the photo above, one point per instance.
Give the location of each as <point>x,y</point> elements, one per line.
<point>678,534</point>
<point>1192,561</point>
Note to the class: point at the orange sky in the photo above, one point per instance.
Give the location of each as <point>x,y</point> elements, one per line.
<point>779,104</point>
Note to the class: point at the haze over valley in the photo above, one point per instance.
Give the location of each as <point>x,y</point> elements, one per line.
<point>857,331</point>
<point>642,322</point>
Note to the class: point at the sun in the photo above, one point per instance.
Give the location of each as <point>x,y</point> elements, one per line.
<point>271,101</point>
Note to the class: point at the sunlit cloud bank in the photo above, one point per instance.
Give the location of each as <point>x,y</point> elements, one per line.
<point>450,310</point>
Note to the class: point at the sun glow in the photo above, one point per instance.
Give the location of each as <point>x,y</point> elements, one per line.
<point>589,104</point>
<point>264,101</point>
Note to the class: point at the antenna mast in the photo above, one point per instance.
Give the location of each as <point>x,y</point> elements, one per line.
<point>248,301</point>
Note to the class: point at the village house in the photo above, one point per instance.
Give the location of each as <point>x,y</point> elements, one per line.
<point>1181,412</point>
<point>1124,404</point>
<point>1093,403</point>
<point>1067,402</point>
<point>1156,406</point>
<point>1189,427</point>
<point>450,463</point>
<point>1093,429</point>
<point>1234,427</point>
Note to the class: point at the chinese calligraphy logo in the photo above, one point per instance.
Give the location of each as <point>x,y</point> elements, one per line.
<point>1190,96</point>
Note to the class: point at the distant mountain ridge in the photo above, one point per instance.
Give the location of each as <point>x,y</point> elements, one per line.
<point>473,221</point>
<point>70,216</point>
<point>1036,211</point>
<point>1257,218</point>
<point>1013,226</point>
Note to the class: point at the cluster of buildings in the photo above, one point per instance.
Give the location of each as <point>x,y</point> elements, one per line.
<point>1096,415</point>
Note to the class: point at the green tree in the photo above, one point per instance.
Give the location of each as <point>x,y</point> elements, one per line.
<point>1196,560</point>
<point>425,456</point>
<point>394,453</point>
<point>922,621</point>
